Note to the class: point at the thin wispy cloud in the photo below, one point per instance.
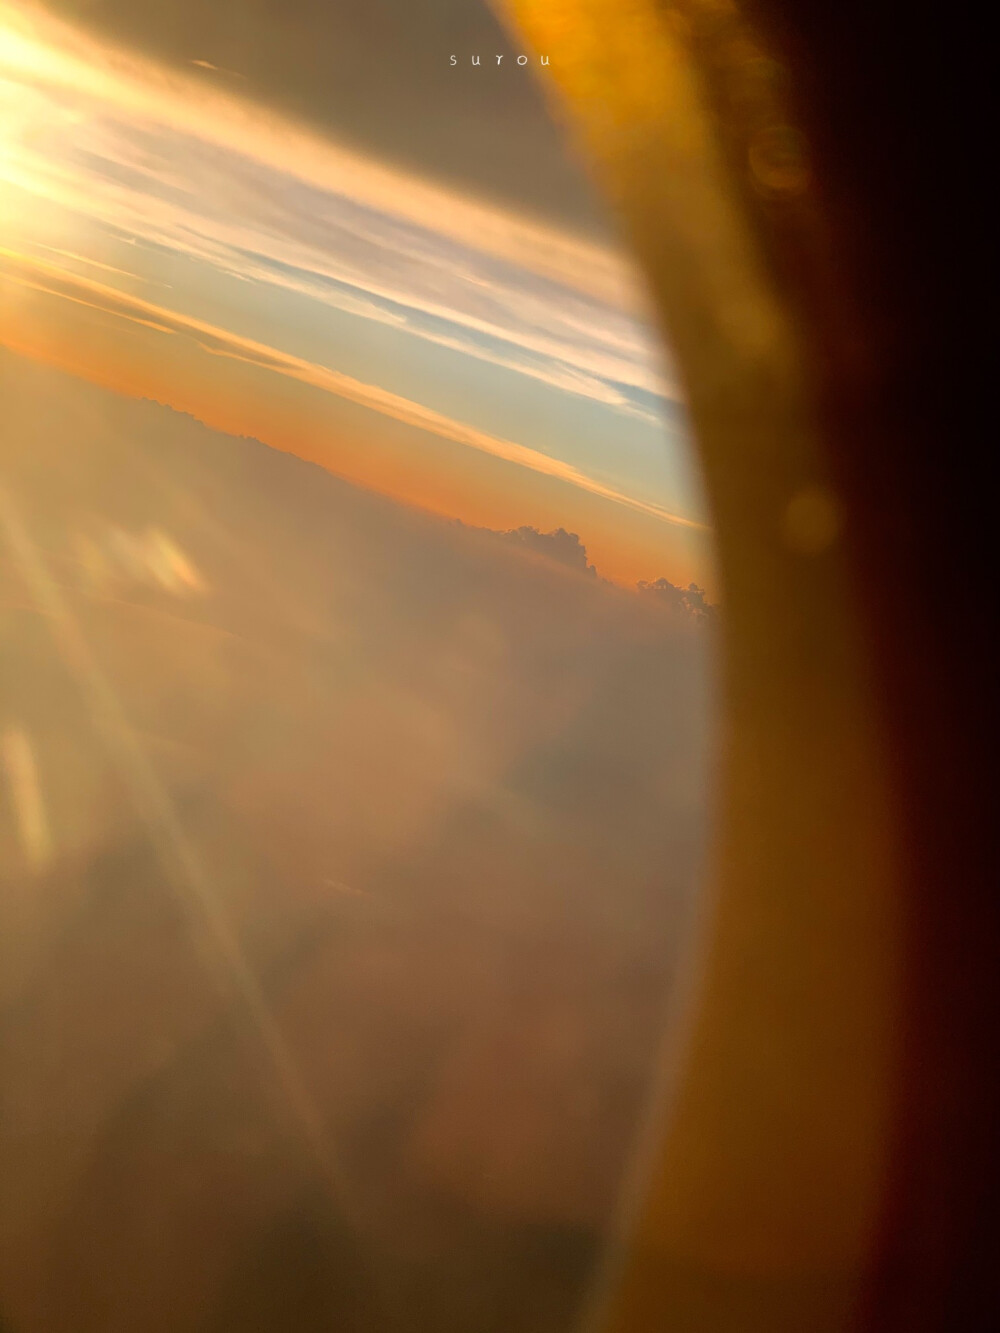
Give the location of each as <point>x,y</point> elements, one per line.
<point>40,52</point>
<point>217,69</point>
<point>216,341</point>
<point>330,224</point>
<point>88,262</point>
<point>497,332</point>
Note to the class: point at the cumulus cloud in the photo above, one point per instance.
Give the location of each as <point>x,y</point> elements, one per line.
<point>565,548</point>
<point>690,601</point>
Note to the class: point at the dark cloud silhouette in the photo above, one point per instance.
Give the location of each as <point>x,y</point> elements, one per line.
<point>690,601</point>
<point>564,547</point>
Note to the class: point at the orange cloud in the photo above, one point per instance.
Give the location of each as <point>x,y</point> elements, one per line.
<point>215,341</point>
<point>201,177</point>
<point>46,53</point>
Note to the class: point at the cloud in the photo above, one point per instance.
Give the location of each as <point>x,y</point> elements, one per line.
<point>44,277</point>
<point>215,179</point>
<point>690,601</point>
<point>565,548</point>
<point>96,263</point>
<point>505,765</point>
<point>51,58</point>
<point>217,69</point>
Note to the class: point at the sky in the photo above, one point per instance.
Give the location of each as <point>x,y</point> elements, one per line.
<point>304,225</point>
<point>354,849</point>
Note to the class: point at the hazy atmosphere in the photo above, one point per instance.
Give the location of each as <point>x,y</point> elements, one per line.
<point>356,635</point>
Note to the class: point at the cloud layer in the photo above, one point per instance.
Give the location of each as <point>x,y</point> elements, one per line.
<point>215,341</point>
<point>198,172</point>
<point>144,194</point>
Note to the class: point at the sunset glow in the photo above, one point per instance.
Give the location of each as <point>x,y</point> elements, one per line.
<point>175,241</point>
